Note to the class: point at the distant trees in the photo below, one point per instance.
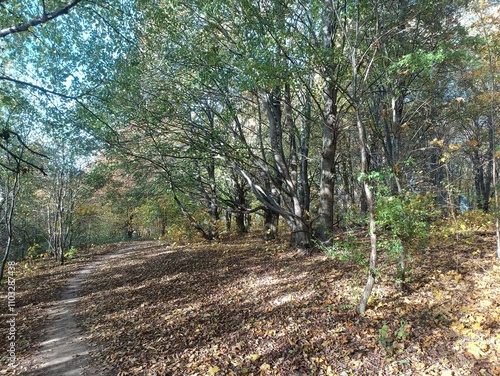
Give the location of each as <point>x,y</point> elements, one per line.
<point>47,50</point>
<point>231,89</point>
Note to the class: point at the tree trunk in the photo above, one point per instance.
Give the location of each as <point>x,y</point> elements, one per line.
<point>330,135</point>
<point>9,214</point>
<point>356,90</point>
<point>228,220</point>
<point>482,180</point>
<point>240,203</point>
<point>271,220</point>
<point>369,201</point>
<point>286,172</point>
<point>330,129</point>
<point>304,188</point>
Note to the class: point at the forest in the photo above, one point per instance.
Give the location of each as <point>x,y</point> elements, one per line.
<point>352,140</point>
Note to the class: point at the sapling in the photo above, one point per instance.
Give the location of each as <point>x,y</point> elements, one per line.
<point>403,217</point>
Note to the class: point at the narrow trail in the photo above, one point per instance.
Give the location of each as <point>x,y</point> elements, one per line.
<point>64,350</point>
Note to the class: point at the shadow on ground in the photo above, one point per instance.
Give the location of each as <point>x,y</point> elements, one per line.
<point>244,307</point>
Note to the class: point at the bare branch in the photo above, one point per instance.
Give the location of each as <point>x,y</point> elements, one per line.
<point>24,144</point>
<point>19,160</point>
<point>46,17</point>
<point>39,88</point>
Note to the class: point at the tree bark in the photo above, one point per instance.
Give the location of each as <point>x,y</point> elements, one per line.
<point>44,18</point>
<point>330,133</point>
<point>286,172</point>
<point>304,188</point>
<point>330,127</point>
<point>371,213</point>
<point>9,214</point>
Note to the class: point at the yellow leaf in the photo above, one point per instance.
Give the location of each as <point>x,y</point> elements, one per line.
<point>254,357</point>
<point>486,303</point>
<point>447,373</point>
<point>476,326</point>
<point>213,370</point>
<point>474,350</point>
<point>264,368</point>
<point>418,366</point>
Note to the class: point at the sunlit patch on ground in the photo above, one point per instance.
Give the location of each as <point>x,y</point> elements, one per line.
<point>243,308</point>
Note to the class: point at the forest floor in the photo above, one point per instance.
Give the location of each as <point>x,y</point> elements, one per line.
<point>245,307</point>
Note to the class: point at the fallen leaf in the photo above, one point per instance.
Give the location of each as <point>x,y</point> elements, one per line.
<point>474,349</point>
<point>398,345</point>
<point>264,368</point>
<point>254,357</point>
<point>213,370</point>
<point>418,366</point>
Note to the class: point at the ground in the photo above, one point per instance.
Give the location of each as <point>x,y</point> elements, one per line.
<point>245,307</point>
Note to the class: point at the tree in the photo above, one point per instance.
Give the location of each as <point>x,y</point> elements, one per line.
<point>10,194</point>
<point>200,121</point>
<point>17,159</point>
<point>486,18</point>
<point>333,69</point>
<point>62,196</point>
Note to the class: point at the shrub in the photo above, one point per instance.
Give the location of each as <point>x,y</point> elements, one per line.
<point>35,251</point>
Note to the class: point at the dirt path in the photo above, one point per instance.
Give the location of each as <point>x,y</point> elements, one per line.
<point>64,350</point>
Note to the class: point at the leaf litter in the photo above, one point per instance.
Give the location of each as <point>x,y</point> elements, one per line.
<point>245,307</point>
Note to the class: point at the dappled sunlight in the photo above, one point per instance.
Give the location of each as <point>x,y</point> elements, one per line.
<point>243,309</point>
<point>290,298</point>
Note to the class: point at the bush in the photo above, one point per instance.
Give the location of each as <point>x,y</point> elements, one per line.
<point>464,224</point>
<point>35,251</point>
<point>71,253</point>
<point>404,221</point>
<point>405,217</point>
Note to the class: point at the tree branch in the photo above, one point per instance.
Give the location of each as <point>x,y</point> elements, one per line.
<point>25,26</point>
<point>39,88</point>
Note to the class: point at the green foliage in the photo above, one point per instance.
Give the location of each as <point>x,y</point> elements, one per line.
<point>179,91</point>
<point>403,331</point>
<point>404,219</point>
<point>390,339</point>
<point>475,220</point>
<point>179,233</point>
<point>348,250</point>
<point>71,253</point>
<point>466,224</point>
<point>404,222</point>
<point>384,336</point>
<point>418,61</point>
<point>34,251</point>
<point>395,250</point>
